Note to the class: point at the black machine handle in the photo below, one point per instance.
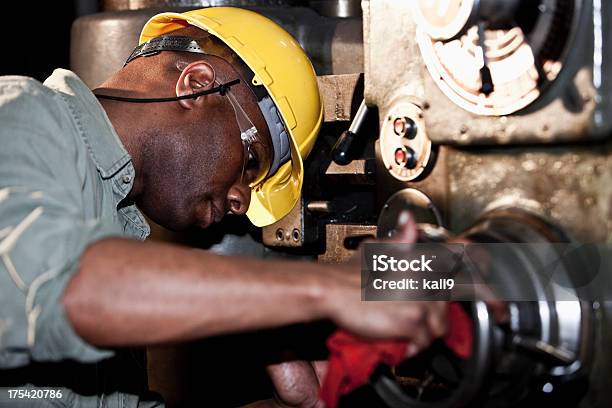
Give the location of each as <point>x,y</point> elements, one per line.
<point>341,152</point>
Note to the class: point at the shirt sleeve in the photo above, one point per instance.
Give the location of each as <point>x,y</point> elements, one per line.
<point>43,228</point>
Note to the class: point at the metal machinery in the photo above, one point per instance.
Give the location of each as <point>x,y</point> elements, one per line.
<point>101,42</point>
<point>491,120</point>
<point>494,120</point>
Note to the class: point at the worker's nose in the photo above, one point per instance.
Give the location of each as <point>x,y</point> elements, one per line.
<point>239,198</point>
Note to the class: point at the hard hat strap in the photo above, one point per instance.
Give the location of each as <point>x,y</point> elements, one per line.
<point>165,43</point>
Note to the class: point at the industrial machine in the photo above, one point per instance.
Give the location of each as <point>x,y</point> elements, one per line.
<point>491,121</point>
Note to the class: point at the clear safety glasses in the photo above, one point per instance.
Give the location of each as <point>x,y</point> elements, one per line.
<point>256,159</point>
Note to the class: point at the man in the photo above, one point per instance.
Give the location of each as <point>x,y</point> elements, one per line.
<point>211,115</point>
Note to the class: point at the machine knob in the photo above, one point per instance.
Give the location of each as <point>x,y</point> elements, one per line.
<point>342,149</point>
<point>405,127</point>
<point>341,152</point>
<point>407,157</point>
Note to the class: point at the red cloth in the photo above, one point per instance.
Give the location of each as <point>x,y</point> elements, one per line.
<point>352,360</point>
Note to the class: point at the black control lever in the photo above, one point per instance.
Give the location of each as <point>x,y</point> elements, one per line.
<point>487,86</point>
<point>341,152</point>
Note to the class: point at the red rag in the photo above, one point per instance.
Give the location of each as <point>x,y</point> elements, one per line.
<point>352,360</point>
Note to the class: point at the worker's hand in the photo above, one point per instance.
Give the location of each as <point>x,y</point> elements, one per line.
<point>297,383</point>
<point>418,322</point>
<point>479,289</point>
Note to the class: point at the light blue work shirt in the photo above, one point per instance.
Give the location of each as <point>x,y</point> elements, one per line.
<point>64,179</point>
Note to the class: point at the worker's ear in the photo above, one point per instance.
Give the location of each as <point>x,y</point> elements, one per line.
<point>195,77</point>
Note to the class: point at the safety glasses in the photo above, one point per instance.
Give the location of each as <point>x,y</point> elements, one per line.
<point>256,159</point>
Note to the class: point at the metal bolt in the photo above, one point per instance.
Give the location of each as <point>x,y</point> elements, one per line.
<point>280,234</point>
<point>318,206</point>
<point>296,234</point>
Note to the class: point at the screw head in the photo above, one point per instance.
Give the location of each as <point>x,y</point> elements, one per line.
<point>296,234</point>
<point>280,234</point>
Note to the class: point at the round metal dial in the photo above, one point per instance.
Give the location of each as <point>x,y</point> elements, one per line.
<point>418,203</point>
<point>444,19</point>
<point>495,65</point>
<point>404,145</point>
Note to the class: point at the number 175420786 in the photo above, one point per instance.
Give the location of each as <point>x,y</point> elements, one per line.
<point>34,393</point>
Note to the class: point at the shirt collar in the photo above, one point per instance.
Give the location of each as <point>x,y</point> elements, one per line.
<point>95,128</point>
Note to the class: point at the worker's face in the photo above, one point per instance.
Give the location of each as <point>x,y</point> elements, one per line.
<point>199,168</point>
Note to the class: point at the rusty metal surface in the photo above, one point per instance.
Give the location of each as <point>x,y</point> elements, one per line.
<point>339,93</point>
<point>570,186</point>
<point>347,47</point>
<point>357,172</point>
<point>101,42</point>
<point>449,124</point>
<point>392,63</point>
<point>395,68</point>
<point>335,244</point>
<point>287,232</point>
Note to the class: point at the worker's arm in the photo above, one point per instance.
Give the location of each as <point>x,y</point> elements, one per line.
<point>63,267</point>
<point>133,293</point>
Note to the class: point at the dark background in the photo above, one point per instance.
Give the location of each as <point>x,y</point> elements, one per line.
<point>35,35</point>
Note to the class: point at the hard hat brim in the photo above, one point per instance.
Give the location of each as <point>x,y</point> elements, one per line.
<point>279,194</point>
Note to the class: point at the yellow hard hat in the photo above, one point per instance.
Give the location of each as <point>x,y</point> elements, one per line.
<point>282,67</point>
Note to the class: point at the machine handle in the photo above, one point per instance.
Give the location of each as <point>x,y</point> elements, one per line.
<point>341,152</point>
